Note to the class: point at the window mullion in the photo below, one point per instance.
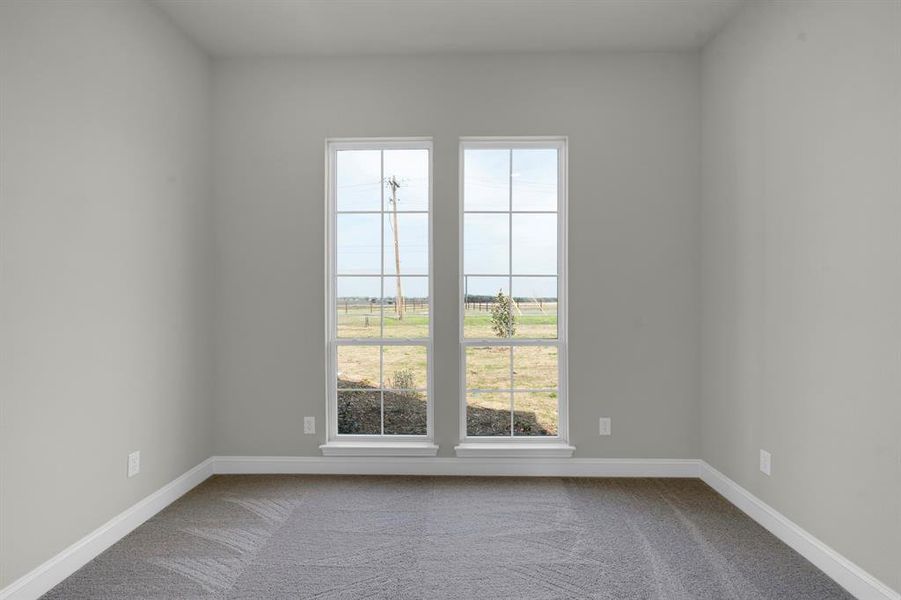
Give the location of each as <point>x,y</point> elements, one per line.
<point>510,278</point>
<point>512,395</point>
<point>382,245</point>
<point>382,292</point>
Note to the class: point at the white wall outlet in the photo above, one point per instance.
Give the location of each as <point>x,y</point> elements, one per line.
<point>309,425</point>
<point>134,463</point>
<point>766,462</point>
<point>604,426</point>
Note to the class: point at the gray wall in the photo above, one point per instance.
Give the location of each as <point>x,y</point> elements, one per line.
<point>634,127</point>
<point>104,327</point>
<point>801,272</point>
<point>108,329</point>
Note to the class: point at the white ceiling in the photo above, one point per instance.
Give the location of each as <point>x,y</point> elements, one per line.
<point>348,27</point>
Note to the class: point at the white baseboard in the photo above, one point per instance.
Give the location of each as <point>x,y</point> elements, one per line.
<point>847,574</point>
<point>496,467</point>
<point>43,578</point>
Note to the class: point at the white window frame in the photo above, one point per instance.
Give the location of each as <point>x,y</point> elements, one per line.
<point>372,445</point>
<point>512,445</point>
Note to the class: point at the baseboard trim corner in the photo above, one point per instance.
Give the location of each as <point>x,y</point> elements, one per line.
<point>495,467</point>
<point>46,576</point>
<point>854,579</point>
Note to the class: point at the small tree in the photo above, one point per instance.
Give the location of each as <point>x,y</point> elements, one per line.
<point>403,379</point>
<point>503,321</point>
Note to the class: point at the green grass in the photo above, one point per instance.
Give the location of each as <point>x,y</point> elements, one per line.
<point>362,321</point>
<point>359,322</point>
<point>478,325</point>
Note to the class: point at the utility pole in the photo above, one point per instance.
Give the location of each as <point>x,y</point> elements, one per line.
<point>399,301</point>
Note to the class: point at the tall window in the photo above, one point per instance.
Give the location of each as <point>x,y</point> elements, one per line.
<point>513,327</point>
<point>379,300</point>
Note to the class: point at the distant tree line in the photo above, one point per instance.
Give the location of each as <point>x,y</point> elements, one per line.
<point>493,298</point>
<point>368,300</point>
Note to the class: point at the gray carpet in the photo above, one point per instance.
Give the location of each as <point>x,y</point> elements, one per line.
<point>323,537</point>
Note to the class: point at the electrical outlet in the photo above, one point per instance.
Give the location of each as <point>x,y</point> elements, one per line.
<point>134,463</point>
<point>309,425</point>
<point>766,462</point>
<point>604,426</point>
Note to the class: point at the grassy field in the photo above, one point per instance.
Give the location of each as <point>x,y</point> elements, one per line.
<point>361,320</point>
<point>487,372</point>
<point>358,367</point>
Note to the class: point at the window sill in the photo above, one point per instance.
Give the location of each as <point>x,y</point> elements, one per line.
<point>514,450</point>
<point>379,449</point>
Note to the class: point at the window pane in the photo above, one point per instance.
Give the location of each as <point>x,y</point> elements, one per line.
<point>358,180</point>
<point>359,244</point>
<point>535,413</point>
<point>480,297</point>
<point>360,413</point>
<point>511,290</point>
<point>536,307</point>
<point>488,368</point>
<point>535,367</point>
<point>405,413</point>
<point>381,289</point>
<point>486,179</point>
<point>535,244</point>
<point>412,238</point>
<point>488,413</point>
<point>486,244</point>
<point>410,168</point>
<point>535,179</point>
<point>404,367</point>
<point>358,367</point>
<point>408,318</point>
<point>357,307</point>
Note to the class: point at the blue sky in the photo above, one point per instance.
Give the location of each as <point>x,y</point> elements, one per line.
<point>487,237</point>
<point>359,179</point>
